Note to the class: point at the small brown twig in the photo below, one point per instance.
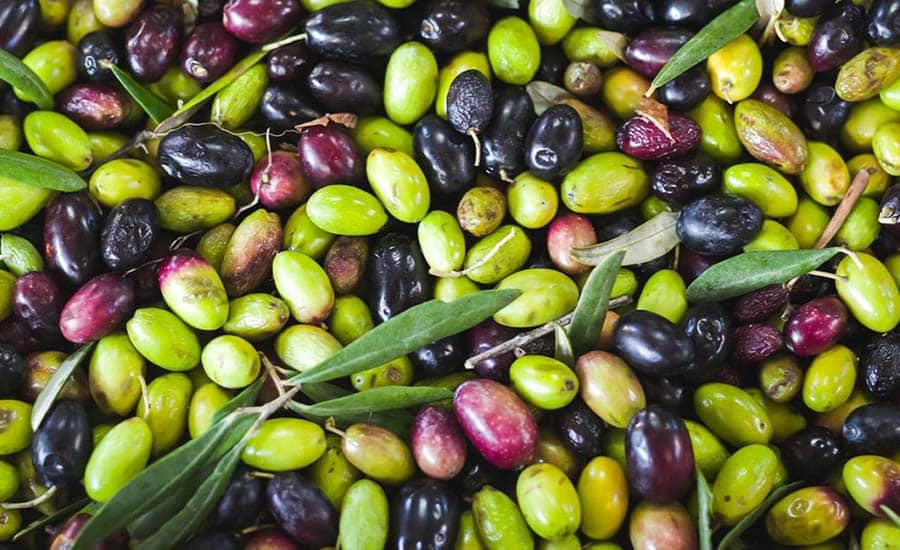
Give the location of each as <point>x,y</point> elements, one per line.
<point>527,337</point>
<point>860,182</point>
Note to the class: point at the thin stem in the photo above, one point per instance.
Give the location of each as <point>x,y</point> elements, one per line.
<point>284,42</point>
<point>827,275</point>
<point>517,342</point>
<point>852,256</point>
<point>477,265</point>
<point>330,426</point>
<point>145,395</point>
<point>255,528</point>
<point>860,182</point>
<point>33,503</point>
<point>473,133</point>
<point>261,475</point>
<point>273,373</point>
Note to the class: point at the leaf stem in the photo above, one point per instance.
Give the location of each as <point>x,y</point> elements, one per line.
<point>532,335</point>
<point>51,492</point>
<point>331,426</point>
<point>284,42</point>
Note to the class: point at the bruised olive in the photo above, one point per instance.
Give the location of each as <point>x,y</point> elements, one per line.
<point>554,143</point>
<point>446,157</point>
<point>353,31</point>
<point>342,87</point>
<point>302,510</point>
<point>128,232</point>
<point>205,155</point>
<point>62,445</point>
<point>425,514</point>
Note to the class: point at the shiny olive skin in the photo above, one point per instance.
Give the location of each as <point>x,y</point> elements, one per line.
<point>652,344</point>
<point>873,429</point>
<point>352,31</point>
<point>424,514</point>
<point>812,453</point>
<point>96,49</point>
<point>651,49</point>
<point>711,330</point>
<point>258,21</point>
<point>62,444</point>
<point>241,503</point>
<point>290,63</point>
<point>880,365</point>
<point>398,276</point>
<point>837,37</point>
<point>285,106</point>
<point>625,16</point>
<point>342,87</point>
<point>883,27</point>
<point>718,225</point>
<point>446,157</point>
<point>128,232</point>
<point>554,143</point>
<point>483,337</point>
<point>19,22</point>
<point>823,113</point>
<point>679,181</point>
<point>452,25</point>
<point>503,142</point>
<point>687,91</point>
<point>72,226</point>
<point>208,52</point>
<point>98,308</point>
<point>329,155</point>
<point>438,358</point>
<point>659,454</point>
<point>302,510</point>
<point>153,42</point>
<point>205,156</point>
<point>37,304</point>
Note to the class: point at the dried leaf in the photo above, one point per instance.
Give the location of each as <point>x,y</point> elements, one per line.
<point>545,95</point>
<point>648,241</point>
<point>615,41</point>
<point>655,113</point>
<point>346,119</point>
<point>769,12</point>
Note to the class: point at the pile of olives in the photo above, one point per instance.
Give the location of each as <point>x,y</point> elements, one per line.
<point>381,154</point>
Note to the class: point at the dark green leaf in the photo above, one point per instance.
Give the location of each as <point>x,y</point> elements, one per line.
<point>246,398</point>
<point>730,24</point>
<point>890,514</point>
<point>189,518</point>
<point>59,516</point>
<point>158,481</point>
<point>651,240</point>
<point>149,522</point>
<point>587,320</point>
<point>19,76</point>
<point>730,540</point>
<point>407,332</point>
<point>187,110</point>
<point>562,349</point>
<point>704,511</point>
<point>754,270</point>
<point>323,391</point>
<point>397,421</point>
<point>33,170</point>
<point>155,107</point>
<point>387,398</point>
<point>45,399</point>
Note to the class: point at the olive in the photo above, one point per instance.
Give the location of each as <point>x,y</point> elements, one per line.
<point>241,503</point>
<point>72,225</point>
<point>302,510</point>
<point>38,303</point>
<point>807,8</point>
<point>96,50</point>
<point>812,453</point>
<point>153,41</point>
<point>873,429</point>
<point>687,91</point>
<point>815,326</point>
<point>290,63</point>
<point>437,442</point>
<point>208,52</point>
<point>659,454</point>
<point>425,514</point>
<point>553,65</point>
<point>452,25</point>
<point>680,181</point>
<point>62,445</point>
<point>838,36</point>
<point>12,370</point>
<point>328,155</point>
<point>880,365</point>
<point>438,358</point>
<point>823,113</point>
<point>718,224</point>
<point>883,27</point>
<point>353,31</point>
<point>283,107</point>
<point>128,232</point>
<point>651,49</point>
<point>483,337</point>
<point>625,16</point>
<point>342,87</point>
<point>642,139</point>
<point>205,155</point>
<point>652,344</point>
<point>398,276</point>
<point>447,158</point>
<point>503,142</point>
<point>554,143</point>
<point>98,308</point>
<point>19,25</point>
<point>685,13</point>
<point>259,21</point>
<point>711,330</point>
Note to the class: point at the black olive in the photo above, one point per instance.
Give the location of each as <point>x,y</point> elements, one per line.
<point>880,366</point>
<point>398,276</point>
<point>95,51</point>
<point>205,155</point>
<point>679,181</point>
<point>446,157</point>
<point>71,234</point>
<point>284,107</point>
<point>581,429</point>
<point>627,16</point>
<point>12,370</point>
<point>554,143</point>
<point>811,454</point>
<point>20,21</point>
<point>438,358</point>
<point>302,510</point>
<point>873,429</point>
<point>353,31</point>
<point>883,28</point>
<point>242,502</point>
<point>62,445</point>
<point>711,330</point>
<point>341,87</point>
<point>452,25</point>
<point>128,233</point>
<point>652,344</point>
<point>470,103</point>
<point>718,225</point>
<point>425,514</point>
<point>687,91</point>
<point>503,142</point>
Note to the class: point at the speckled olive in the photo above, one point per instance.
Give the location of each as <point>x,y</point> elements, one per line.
<point>771,137</point>
<point>744,480</point>
<point>378,453</point>
<point>165,410</point>
<point>499,522</point>
<point>547,294</point>
<point>808,516</point>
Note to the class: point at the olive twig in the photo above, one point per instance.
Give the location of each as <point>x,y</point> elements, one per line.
<point>273,373</point>
<point>522,339</point>
<point>261,475</point>
<point>51,492</point>
<point>477,265</point>
<point>265,411</point>
<point>860,182</point>
<point>254,528</point>
<point>331,426</point>
<point>473,133</point>
<point>827,275</point>
<point>284,42</point>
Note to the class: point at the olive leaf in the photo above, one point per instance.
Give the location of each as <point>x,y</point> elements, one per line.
<point>58,516</point>
<point>704,510</point>
<point>19,76</point>
<point>732,537</point>
<point>751,271</point>
<point>890,514</point>
<point>55,384</point>
<point>387,398</point>
<point>148,523</point>
<point>562,349</point>
<point>585,10</point>
<point>727,26</point>
<point>397,421</point>
<point>648,241</point>
<point>39,172</point>
<point>155,107</point>
<point>246,398</point>
<point>545,95</point>
<point>407,332</point>
<point>590,312</point>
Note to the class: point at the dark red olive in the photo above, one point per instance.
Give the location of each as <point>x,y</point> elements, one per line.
<point>15,334</point>
<point>718,225</point>
<point>94,106</point>
<point>96,50</point>
<point>398,276</point>
<point>153,42</point>
<point>289,63</point>
<point>62,445</point>
<point>692,264</point>
<point>65,536</point>
<point>128,233</point>
<point>38,303</point>
<point>302,510</point>
<point>761,304</point>
<point>772,96</point>
<point>353,31</point>
<point>12,371</point>
<point>811,454</point>
<point>756,342</point>
<point>873,429</point>
<point>278,181</point>
<point>446,157</point>
<point>71,236</point>
<point>642,139</point>
<point>503,143</point>
<point>680,181</point>
<point>581,429</point>
<point>424,514</point>
<point>242,502</point>
<point>651,49</point>
<point>453,25</point>
<point>837,36</point>
<point>97,309</point>
<point>437,442</point>
<point>269,539</point>
<point>208,52</point>
<point>342,87</point>
<point>880,366</point>
<point>260,21</point>
<point>485,336</point>
<point>329,154</point>
<point>205,155</point>
<point>711,330</point>
<point>815,326</point>
<point>20,21</point>
<point>659,455</point>
<point>652,344</point>
<point>284,107</point>
<point>554,143</point>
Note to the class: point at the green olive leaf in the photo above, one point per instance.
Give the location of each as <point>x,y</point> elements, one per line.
<point>727,26</point>
<point>55,384</point>
<point>55,518</point>
<point>732,537</point>
<point>397,421</point>
<point>148,523</point>
<point>407,332</point>
<point>19,76</point>
<point>562,347</point>
<point>648,241</point>
<point>189,518</point>
<point>246,398</point>
<point>39,172</point>
<point>585,10</point>
<point>751,271</point>
<point>590,312</point>
<point>890,514</point>
<point>704,511</point>
<point>155,107</point>
<point>387,398</point>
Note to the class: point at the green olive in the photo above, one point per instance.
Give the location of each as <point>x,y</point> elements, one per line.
<point>57,138</point>
<point>304,285</point>
<point>552,450</point>
<point>378,453</point>
<point>867,73</point>
<point>460,63</point>
<point>548,501</point>
<point>864,119</point>
<point>791,72</point>
<point>442,241</point>
<point>609,387</point>
<point>15,426</point>
<point>481,210</point>
<point>861,226</point>
<point>830,379</point>
<point>448,289</point>
<point>302,347</point>
<point>332,473</point>
<point>119,180</point>
<point>709,453</point>
<point>890,95</point>
<point>625,184</point>
<point>532,202</point>
<point>543,381</point>
<point>7,281</point>
<point>547,294</point>
<point>498,255</point>
<point>603,491</point>
<point>879,180</point>
<point>742,483</point>
<point>117,13</point>
<point>163,339</point>
<point>235,105</point>
<point>719,138</point>
<point>120,456</point>
<point>664,294</point>
<point>168,397</point>
<point>364,516</point>
<point>302,235</point>
<point>9,481</point>
<point>284,444</point>
<point>796,31</point>
<point>622,90</point>
<point>467,538</point>
<point>213,243</point>
<point>410,83</point>
<point>867,288</point>
<point>114,374</point>
<point>397,372</point>
<point>879,534</point>
<point>780,378</point>
<point>587,44</point>
<point>187,209</point>
<point>825,177</point>
<point>230,361</point>
<point>786,420</point>
<point>81,21</point>
<point>772,236</point>
<point>350,318</point>
<point>54,62</point>
<point>885,146</point>
<point>399,184</point>
<point>735,69</point>
<point>732,414</point>
<point>10,133</point>
<point>514,51</point>
<point>808,516</point>
<point>207,399</point>
<point>104,144</point>
<point>176,86</point>
<point>256,317</point>
<point>808,223</point>
<point>550,20</point>
<point>499,521</point>
<point>763,186</point>
<point>345,210</point>
<point>377,132</point>
<point>19,255</point>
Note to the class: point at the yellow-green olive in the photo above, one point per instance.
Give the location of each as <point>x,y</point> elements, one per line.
<point>735,69</point>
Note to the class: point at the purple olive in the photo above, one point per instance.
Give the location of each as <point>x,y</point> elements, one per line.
<point>837,37</point>
<point>816,326</point>
<point>37,303</point>
<point>260,21</point>
<point>208,52</point>
<point>659,455</point>
<point>644,140</point>
<point>278,180</point>
<point>20,21</point>
<point>302,510</point>
<point>153,42</point>
<point>483,337</point>
<point>289,63</point>
<point>71,236</point>
<point>330,155</point>
<point>97,309</point>
<point>651,49</point>
<point>761,304</point>
<point>94,106</point>
<point>756,342</point>
<point>438,443</point>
